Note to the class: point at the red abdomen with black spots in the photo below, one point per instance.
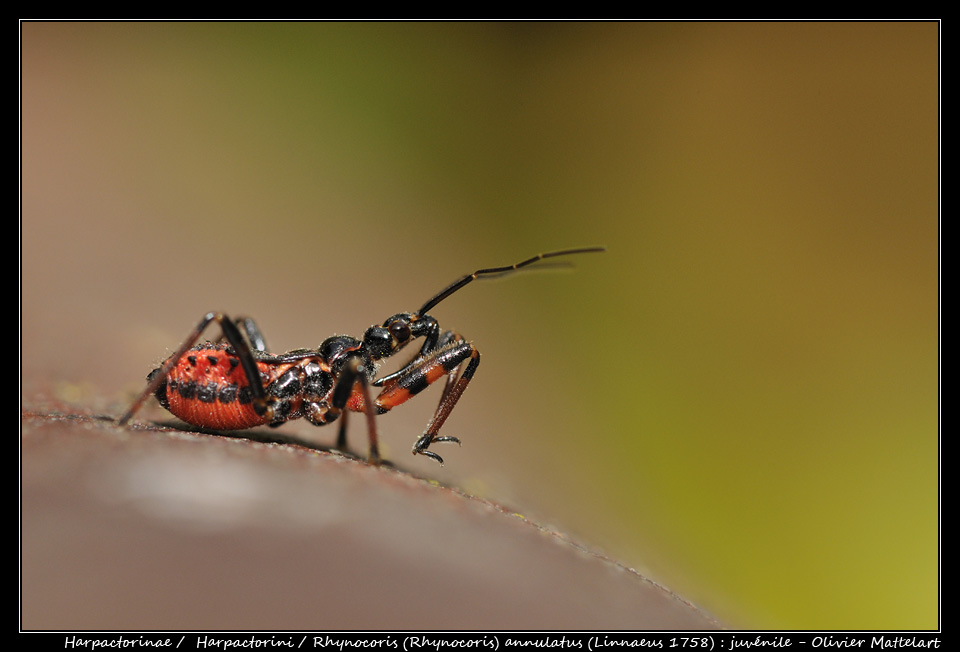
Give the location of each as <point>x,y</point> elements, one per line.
<point>208,388</point>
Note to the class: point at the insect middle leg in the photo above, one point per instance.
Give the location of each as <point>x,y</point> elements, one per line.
<point>351,378</point>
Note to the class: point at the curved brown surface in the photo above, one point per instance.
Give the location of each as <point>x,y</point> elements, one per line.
<point>153,528</point>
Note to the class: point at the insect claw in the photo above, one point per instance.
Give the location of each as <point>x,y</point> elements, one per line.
<point>420,448</point>
<point>429,454</point>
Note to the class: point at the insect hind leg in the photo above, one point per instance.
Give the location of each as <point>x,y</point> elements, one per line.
<point>253,333</point>
<point>231,333</point>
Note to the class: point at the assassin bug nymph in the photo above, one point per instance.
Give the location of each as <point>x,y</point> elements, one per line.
<point>233,383</point>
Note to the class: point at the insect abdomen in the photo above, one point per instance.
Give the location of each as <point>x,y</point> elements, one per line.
<point>208,388</point>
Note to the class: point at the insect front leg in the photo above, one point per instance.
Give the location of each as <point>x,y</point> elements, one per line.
<point>262,404</point>
<point>446,360</point>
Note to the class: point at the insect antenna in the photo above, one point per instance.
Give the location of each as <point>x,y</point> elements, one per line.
<point>493,272</point>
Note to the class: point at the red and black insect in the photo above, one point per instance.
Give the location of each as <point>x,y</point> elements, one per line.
<point>233,383</point>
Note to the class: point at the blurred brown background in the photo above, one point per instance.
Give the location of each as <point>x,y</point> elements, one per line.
<point>739,398</point>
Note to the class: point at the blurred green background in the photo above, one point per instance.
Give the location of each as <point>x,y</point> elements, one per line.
<point>739,399</point>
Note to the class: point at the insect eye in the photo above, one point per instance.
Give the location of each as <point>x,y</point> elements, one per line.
<point>400,330</point>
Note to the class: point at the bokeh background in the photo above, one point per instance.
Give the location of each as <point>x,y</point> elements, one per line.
<point>740,398</point>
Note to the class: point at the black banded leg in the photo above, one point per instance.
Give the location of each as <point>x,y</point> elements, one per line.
<point>261,404</point>
<point>421,373</point>
<point>452,393</point>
